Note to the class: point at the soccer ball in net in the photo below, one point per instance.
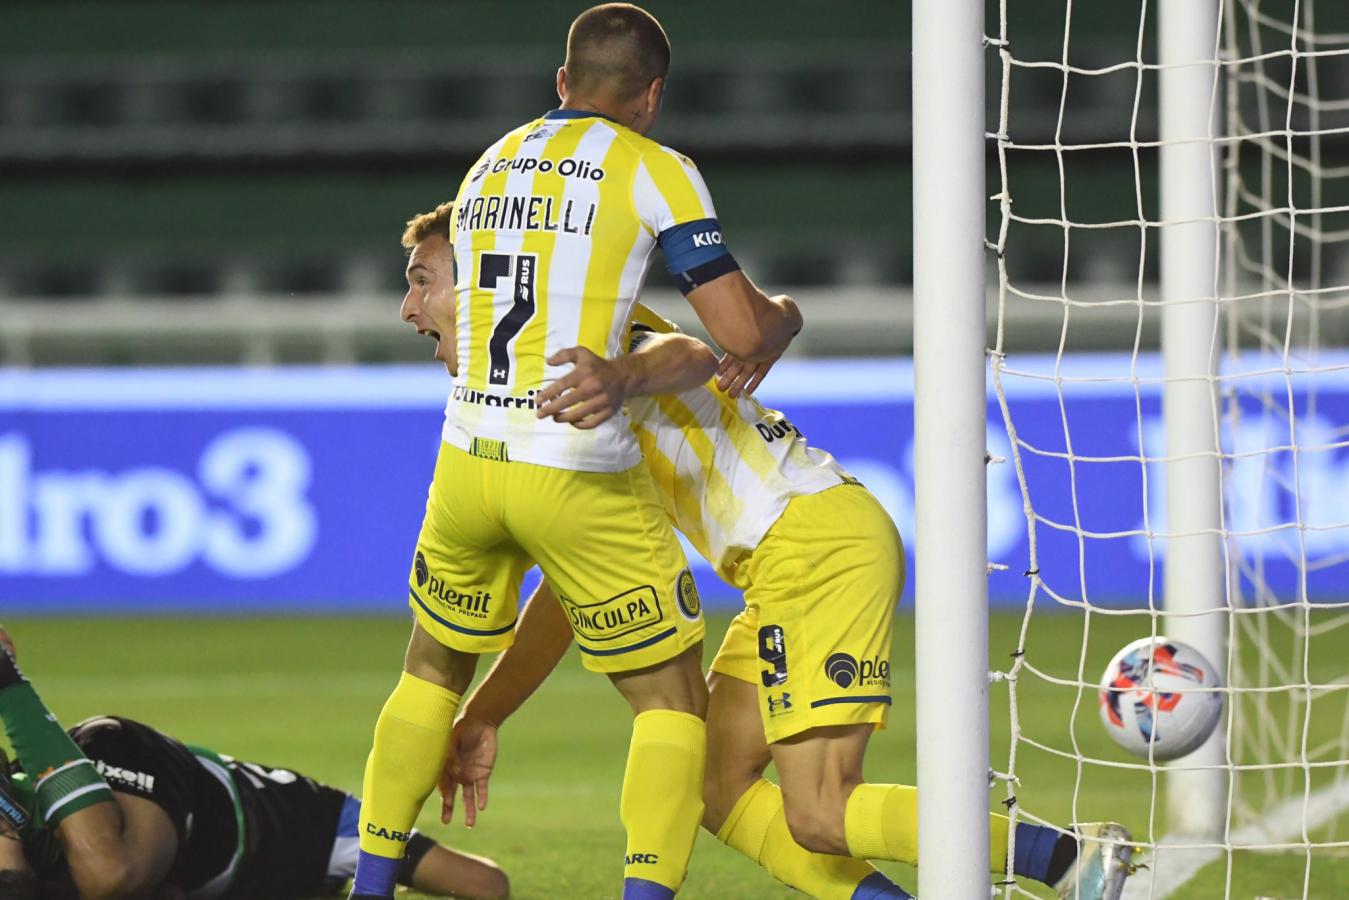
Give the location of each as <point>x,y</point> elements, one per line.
<point>1159,694</point>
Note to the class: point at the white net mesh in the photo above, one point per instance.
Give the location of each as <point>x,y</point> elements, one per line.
<point>1076,222</point>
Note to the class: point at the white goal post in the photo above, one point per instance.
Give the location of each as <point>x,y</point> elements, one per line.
<point>951,606</point>
<point>1194,595</point>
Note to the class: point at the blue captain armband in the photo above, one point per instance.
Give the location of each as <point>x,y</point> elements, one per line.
<point>695,254</point>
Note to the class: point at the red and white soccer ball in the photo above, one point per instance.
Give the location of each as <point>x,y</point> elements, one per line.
<point>1158,693</point>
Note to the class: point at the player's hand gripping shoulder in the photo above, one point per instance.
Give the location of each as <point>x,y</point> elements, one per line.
<point>743,320</point>
<point>736,376</point>
<point>473,753</point>
<point>596,388</point>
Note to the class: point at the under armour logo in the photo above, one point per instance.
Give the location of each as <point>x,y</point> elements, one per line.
<point>498,373</point>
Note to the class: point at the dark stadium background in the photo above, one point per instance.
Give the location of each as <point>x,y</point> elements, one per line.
<point>183,154</point>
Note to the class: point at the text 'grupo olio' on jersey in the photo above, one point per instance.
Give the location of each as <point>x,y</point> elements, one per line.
<point>553,234</point>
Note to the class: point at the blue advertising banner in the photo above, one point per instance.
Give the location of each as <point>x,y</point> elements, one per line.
<point>301,490</point>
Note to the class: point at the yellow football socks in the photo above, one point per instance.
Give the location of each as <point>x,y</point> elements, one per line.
<point>412,738</point>
<point>882,823</point>
<point>662,803</point>
<point>999,829</point>
<point>757,827</point>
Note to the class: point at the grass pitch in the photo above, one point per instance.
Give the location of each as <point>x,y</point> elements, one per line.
<point>304,694</point>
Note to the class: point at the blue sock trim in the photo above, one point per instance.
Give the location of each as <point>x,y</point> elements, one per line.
<point>376,876</point>
<point>641,889</point>
<point>877,887</point>
<point>1034,850</point>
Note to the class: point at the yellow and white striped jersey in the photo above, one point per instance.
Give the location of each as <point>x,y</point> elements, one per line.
<point>552,236</point>
<point>725,469</point>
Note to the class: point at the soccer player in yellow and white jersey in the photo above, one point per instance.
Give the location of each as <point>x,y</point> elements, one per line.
<point>803,675</point>
<point>552,234</point>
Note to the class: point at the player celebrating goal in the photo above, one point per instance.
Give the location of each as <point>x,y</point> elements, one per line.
<point>551,234</point>
<point>803,676</point>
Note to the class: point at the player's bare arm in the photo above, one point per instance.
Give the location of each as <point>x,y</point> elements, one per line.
<point>120,849</point>
<point>541,639</point>
<point>669,364</point>
<point>743,320</point>
<point>775,319</point>
<point>596,388</point>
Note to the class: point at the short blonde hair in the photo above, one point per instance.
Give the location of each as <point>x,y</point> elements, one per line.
<point>421,227</point>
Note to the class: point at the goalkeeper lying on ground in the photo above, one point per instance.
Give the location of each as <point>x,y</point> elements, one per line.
<point>114,808</point>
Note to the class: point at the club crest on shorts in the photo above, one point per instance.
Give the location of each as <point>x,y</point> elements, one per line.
<point>420,570</point>
<point>686,592</point>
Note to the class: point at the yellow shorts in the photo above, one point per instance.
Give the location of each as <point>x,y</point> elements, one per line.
<point>820,596</point>
<point>601,539</point>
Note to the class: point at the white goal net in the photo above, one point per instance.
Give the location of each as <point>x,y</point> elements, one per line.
<point>1113,493</point>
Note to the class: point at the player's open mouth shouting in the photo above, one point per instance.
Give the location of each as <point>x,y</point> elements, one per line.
<point>434,335</point>
<point>428,305</point>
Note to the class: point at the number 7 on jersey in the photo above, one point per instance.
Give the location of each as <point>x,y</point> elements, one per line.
<point>520,268</point>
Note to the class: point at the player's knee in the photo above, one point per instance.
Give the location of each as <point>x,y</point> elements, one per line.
<point>698,699</point>
<point>676,684</point>
<point>723,786</point>
<point>432,661</point>
<point>816,822</point>
<point>816,832</point>
<point>690,687</point>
